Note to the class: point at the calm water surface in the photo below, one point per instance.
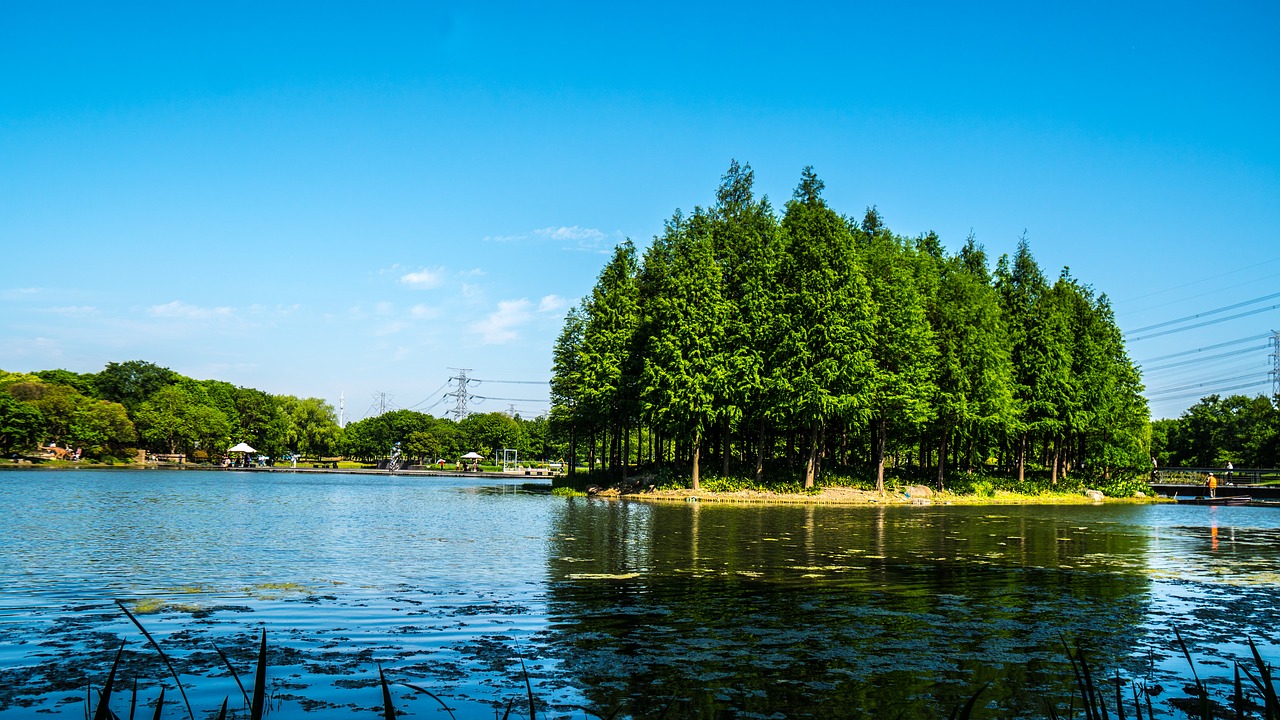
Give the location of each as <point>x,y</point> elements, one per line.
<point>803,611</point>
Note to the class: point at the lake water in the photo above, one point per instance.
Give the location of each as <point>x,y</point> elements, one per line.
<point>698,609</point>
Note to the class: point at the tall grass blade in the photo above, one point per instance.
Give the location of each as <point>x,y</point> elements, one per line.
<point>191,714</point>
<point>510,704</point>
<point>133,698</point>
<point>529,688</point>
<point>1050,710</point>
<point>1201,690</point>
<point>388,709</point>
<point>1270,703</point>
<point>1119,698</point>
<point>234,675</point>
<point>967,710</point>
<point>1237,696</point>
<point>159,704</point>
<point>431,695</point>
<point>103,711</point>
<point>1137,703</point>
<point>222,714</point>
<point>1093,705</point>
<point>260,681</point>
<point>1080,684</point>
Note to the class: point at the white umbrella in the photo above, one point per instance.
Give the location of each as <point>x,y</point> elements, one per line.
<point>242,447</point>
<point>473,456</point>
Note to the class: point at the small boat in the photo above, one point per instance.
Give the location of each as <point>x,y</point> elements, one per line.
<point>1227,500</point>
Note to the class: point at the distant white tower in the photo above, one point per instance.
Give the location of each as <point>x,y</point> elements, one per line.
<point>342,410</point>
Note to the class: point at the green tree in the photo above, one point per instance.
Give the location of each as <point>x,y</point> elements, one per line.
<point>131,383</point>
<point>686,320</point>
<point>102,427</point>
<point>974,367</point>
<point>606,390</point>
<point>488,433</point>
<point>902,342</point>
<point>566,382</point>
<point>745,238</point>
<point>20,424</point>
<point>821,359</point>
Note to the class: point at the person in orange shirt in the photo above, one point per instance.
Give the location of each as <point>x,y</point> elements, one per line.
<point>1213,485</point>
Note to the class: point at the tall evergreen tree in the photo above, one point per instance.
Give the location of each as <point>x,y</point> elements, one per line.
<point>902,344</point>
<point>687,316</point>
<point>607,391</point>
<point>821,356</point>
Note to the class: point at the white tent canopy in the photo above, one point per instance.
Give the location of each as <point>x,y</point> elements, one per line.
<point>473,456</point>
<point>242,447</point>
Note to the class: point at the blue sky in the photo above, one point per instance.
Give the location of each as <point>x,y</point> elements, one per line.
<point>318,198</point>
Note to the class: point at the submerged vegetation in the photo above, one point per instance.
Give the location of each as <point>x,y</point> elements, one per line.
<point>1094,693</point>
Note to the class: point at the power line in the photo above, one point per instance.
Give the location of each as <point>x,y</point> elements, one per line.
<point>1179,388</point>
<point>1206,358</point>
<point>483,397</point>
<point>1247,313</point>
<point>1202,393</point>
<point>1206,313</point>
<point>432,394</point>
<point>1208,347</point>
<point>1211,277</point>
<point>515,382</point>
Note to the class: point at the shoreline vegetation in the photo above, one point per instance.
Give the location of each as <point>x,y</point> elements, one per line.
<point>804,344</point>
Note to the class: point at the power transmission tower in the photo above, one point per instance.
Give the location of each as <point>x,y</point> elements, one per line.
<point>1275,363</point>
<point>380,401</point>
<point>460,395</point>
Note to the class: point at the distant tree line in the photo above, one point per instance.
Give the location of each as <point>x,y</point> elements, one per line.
<point>138,404</point>
<point>1243,431</point>
<point>813,340</point>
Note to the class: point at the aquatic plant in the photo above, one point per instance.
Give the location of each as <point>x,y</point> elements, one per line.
<point>1089,688</point>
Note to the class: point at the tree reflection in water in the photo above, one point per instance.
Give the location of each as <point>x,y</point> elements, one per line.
<point>815,611</point>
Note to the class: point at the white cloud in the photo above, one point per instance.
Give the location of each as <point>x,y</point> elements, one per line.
<point>73,310</point>
<point>500,326</point>
<point>473,272</point>
<point>571,233</point>
<point>14,293</point>
<point>504,238</point>
<point>552,304</point>
<point>424,279</point>
<point>424,312</point>
<point>185,311</point>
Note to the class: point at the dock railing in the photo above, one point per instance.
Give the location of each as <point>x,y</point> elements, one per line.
<point>1234,476</point>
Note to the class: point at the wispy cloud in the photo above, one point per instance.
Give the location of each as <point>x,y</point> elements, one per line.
<point>424,312</point>
<point>575,232</point>
<point>185,311</point>
<point>73,310</point>
<point>500,327</point>
<point>552,304</point>
<point>504,238</point>
<point>423,279</point>
<point>15,293</point>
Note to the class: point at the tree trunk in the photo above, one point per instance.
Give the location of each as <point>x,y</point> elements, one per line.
<point>760,453</point>
<point>697,450</point>
<point>1053,474</point>
<point>626,450</point>
<point>811,466</point>
<point>573,449</point>
<point>1021,457</point>
<point>881,429</point>
<point>942,461</point>
<point>725,449</point>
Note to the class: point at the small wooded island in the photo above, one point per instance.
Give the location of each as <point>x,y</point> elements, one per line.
<point>799,355</point>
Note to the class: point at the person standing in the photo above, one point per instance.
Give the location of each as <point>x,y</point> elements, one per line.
<point>1213,485</point>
